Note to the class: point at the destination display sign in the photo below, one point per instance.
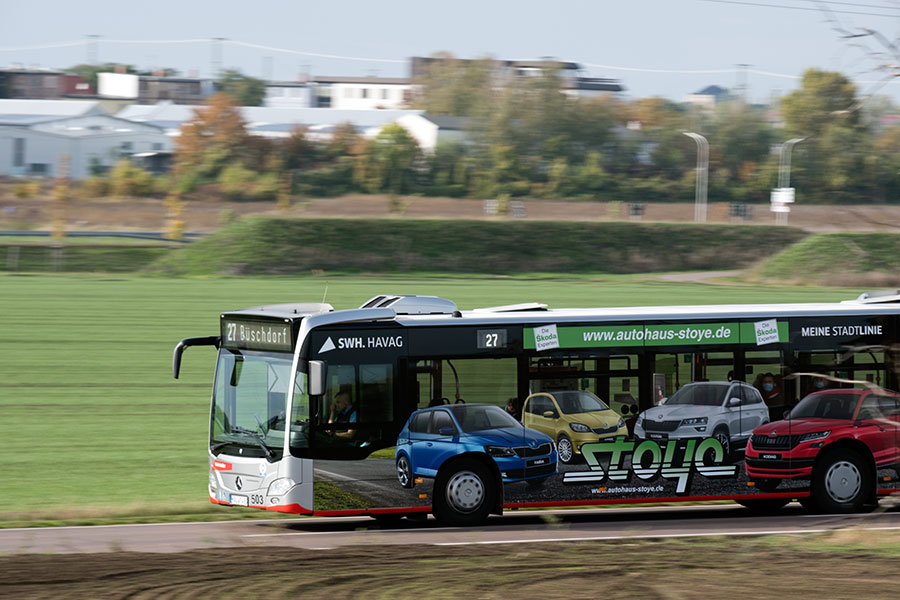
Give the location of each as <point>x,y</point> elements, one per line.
<point>256,335</point>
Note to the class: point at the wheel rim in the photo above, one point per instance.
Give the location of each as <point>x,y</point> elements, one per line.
<point>843,481</point>
<point>564,449</point>
<point>723,439</point>
<point>465,492</point>
<point>403,473</point>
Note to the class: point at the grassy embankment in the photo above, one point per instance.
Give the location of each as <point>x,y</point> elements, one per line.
<point>281,246</point>
<point>864,259</point>
<point>96,428</point>
<point>291,246</point>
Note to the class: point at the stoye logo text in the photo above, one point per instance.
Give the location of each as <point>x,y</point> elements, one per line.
<point>677,460</point>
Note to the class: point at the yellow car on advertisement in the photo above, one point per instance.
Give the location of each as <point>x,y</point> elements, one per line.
<point>572,418</point>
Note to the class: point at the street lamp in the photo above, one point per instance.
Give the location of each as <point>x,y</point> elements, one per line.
<point>783,195</point>
<point>702,175</point>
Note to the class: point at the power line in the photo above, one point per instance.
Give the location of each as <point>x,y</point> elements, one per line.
<point>765,5</point>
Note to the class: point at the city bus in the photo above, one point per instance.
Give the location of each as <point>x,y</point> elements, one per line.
<point>408,406</point>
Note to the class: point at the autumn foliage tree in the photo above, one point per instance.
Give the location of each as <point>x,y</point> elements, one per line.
<point>215,138</point>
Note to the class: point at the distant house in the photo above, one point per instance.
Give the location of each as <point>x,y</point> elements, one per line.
<point>150,89</point>
<point>36,134</point>
<point>362,93</point>
<point>289,94</point>
<point>429,130</point>
<point>41,84</point>
<point>709,96</point>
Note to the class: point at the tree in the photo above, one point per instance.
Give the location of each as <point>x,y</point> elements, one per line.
<point>825,98</point>
<point>389,162</point>
<point>246,90</point>
<point>214,138</point>
<point>740,139</point>
<point>455,87</point>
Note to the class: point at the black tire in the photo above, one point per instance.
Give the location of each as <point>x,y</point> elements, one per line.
<point>763,505</point>
<point>404,472</point>
<point>842,482</point>
<point>464,493</point>
<point>721,434</point>
<point>565,450</point>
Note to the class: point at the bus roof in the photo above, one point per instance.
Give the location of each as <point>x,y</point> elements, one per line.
<point>538,313</point>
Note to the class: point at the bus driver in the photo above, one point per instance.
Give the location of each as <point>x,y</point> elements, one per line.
<point>343,411</point>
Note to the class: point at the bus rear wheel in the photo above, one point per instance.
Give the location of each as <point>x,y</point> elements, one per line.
<point>464,493</point>
<point>842,482</point>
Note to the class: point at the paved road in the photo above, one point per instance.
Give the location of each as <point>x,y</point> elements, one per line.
<point>515,527</point>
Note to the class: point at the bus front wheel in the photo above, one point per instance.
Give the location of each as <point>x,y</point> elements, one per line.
<point>464,493</point>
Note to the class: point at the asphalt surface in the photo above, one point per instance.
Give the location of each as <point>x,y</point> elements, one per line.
<point>515,527</point>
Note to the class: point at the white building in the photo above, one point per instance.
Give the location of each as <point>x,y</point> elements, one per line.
<point>363,93</point>
<point>429,131</point>
<point>289,94</point>
<point>270,122</point>
<point>36,134</point>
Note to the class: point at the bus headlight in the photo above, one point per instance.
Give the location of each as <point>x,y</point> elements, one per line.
<point>279,487</point>
<point>213,484</point>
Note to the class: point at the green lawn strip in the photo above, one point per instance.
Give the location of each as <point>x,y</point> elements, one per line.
<point>94,422</point>
<point>78,258</point>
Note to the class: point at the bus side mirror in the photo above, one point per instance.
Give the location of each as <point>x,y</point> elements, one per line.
<point>316,378</point>
<point>185,343</point>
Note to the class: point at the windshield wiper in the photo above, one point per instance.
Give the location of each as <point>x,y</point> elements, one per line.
<point>259,440</point>
<point>219,446</point>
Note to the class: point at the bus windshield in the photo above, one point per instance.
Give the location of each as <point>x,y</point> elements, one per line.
<point>249,401</point>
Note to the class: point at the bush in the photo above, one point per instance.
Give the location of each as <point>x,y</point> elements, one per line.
<point>26,189</point>
<point>236,181</point>
<point>94,187</point>
<point>127,179</point>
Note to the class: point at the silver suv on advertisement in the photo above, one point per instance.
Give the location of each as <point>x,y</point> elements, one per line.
<point>728,411</point>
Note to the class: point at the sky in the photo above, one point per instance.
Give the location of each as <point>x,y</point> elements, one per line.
<point>653,47</point>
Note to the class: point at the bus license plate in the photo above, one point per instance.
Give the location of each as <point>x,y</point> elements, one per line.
<point>536,462</point>
<point>239,500</point>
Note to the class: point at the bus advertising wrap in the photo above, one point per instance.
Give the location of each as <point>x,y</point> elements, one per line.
<point>615,336</point>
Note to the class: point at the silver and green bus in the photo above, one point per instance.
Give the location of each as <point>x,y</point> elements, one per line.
<point>408,406</point>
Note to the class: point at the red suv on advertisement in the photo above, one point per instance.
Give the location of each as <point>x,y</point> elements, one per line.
<point>837,439</point>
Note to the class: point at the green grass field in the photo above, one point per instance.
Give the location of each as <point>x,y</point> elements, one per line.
<point>94,425</point>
